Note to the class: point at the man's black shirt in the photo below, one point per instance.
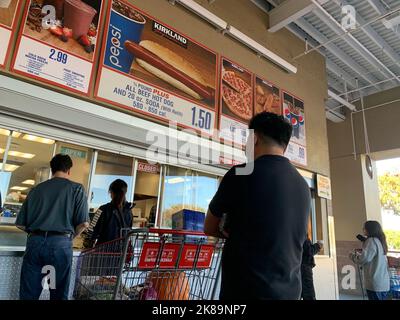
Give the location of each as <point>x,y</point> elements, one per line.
<point>266,218</point>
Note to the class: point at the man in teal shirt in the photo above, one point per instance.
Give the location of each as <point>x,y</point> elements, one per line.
<point>54,212</point>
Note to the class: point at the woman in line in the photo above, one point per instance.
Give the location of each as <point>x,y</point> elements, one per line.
<point>113,216</point>
<point>374,261</point>
<point>307,264</point>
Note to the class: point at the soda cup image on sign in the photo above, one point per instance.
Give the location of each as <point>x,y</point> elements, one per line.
<point>125,24</point>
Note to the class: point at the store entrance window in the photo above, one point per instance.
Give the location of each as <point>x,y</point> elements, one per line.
<point>81,158</point>
<point>4,175</point>
<point>27,164</point>
<point>146,194</point>
<point>185,189</point>
<point>109,167</point>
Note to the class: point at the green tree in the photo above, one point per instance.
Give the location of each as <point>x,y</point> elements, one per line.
<point>389,187</point>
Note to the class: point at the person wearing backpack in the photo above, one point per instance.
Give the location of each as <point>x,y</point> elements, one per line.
<point>374,261</point>
<point>113,216</point>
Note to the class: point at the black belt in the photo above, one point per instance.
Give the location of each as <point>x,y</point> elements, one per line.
<point>49,233</point>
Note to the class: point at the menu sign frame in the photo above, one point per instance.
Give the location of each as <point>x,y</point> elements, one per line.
<point>59,59</point>
<point>236,85</point>
<point>293,109</point>
<point>265,96</point>
<point>136,84</point>
<point>8,26</point>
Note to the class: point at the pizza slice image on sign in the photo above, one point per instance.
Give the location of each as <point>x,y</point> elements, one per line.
<point>236,101</point>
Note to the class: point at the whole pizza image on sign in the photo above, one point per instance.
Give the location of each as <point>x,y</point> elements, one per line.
<point>236,105</point>
<point>151,68</point>
<point>57,42</point>
<point>267,97</point>
<point>8,13</point>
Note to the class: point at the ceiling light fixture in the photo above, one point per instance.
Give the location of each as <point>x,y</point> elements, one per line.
<point>9,167</point>
<point>236,34</point>
<point>5,132</point>
<point>17,188</point>
<point>31,182</point>
<point>175,180</point>
<point>38,139</point>
<point>19,154</point>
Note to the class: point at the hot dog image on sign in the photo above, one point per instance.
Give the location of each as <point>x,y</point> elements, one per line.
<point>57,42</point>
<point>8,14</point>
<point>267,97</point>
<point>293,109</point>
<point>166,74</point>
<point>236,105</point>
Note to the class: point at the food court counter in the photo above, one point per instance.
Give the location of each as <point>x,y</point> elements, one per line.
<point>12,248</point>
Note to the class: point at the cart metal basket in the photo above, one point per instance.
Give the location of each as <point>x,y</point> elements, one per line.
<point>151,264</point>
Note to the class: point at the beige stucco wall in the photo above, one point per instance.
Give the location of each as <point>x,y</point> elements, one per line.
<point>355,195</point>
<point>309,83</point>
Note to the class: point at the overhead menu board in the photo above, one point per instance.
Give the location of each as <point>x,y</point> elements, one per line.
<point>236,101</point>
<point>57,42</point>
<point>8,17</point>
<point>293,110</point>
<point>153,69</point>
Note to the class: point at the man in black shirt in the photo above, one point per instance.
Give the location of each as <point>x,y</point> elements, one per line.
<point>265,215</point>
<point>54,212</point>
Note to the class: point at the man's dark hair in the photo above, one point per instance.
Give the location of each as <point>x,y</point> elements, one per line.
<point>60,162</point>
<point>270,126</point>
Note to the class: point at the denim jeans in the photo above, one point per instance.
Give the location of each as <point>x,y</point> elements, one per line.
<point>375,295</point>
<point>53,251</point>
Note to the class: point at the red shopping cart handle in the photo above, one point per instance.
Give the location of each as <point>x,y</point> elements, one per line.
<point>177,232</point>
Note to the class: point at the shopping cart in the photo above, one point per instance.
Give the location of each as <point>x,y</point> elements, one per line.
<point>151,264</point>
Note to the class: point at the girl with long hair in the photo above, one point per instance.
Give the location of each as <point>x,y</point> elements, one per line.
<point>114,216</point>
<point>374,261</point>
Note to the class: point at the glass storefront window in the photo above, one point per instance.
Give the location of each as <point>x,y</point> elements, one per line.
<point>28,162</point>
<point>4,175</point>
<point>185,189</point>
<point>109,167</point>
<point>146,194</point>
<point>82,160</point>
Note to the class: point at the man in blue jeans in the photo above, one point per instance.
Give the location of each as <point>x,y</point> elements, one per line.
<point>54,212</point>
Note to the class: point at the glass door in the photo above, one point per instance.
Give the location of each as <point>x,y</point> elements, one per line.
<point>147,190</point>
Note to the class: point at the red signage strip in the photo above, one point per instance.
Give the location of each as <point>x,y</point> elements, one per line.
<point>150,253</point>
<point>188,256</point>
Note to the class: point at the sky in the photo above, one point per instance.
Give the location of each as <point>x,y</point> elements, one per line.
<point>390,165</point>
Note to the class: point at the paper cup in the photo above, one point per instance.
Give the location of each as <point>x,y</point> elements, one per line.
<point>120,30</point>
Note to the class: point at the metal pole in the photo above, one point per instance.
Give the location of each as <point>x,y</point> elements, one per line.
<point>3,167</point>
<point>91,175</point>
<point>160,182</point>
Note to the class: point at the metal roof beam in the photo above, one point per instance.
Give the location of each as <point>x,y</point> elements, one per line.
<point>331,22</point>
<point>350,62</point>
<point>330,65</point>
<point>288,12</point>
<point>342,101</point>
<point>377,6</point>
<point>374,36</point>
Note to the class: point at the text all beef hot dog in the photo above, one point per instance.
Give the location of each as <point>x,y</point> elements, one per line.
<point>170,67</point>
